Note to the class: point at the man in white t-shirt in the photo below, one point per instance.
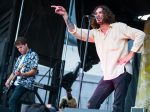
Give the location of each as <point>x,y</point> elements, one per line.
<point>68,101</point>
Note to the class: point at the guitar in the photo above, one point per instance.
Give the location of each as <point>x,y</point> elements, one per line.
<point>6,89</point>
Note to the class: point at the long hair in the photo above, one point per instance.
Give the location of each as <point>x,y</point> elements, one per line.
<point>109,17</point>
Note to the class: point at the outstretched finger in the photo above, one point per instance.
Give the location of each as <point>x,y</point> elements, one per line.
<point>53,6</point>
<point>56,7</point>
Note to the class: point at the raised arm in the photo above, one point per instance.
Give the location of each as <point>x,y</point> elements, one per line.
<point>62,11</point>
<point>76,32</point>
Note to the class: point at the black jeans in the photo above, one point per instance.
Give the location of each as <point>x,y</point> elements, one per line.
<point>106,87</point>
<point>14,106</point>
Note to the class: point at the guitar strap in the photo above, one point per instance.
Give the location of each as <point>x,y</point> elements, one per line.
<point>19,66</point>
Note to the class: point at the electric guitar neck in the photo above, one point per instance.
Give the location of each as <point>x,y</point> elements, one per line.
<point>12,80</point>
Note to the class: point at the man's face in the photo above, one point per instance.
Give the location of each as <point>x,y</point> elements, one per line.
<point>99,15</point>
<point>22,48</point>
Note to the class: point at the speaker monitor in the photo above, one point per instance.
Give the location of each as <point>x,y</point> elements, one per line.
<point>137,109</point>
<point>83,110</point>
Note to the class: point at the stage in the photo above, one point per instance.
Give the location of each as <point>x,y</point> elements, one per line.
<point>5,109</point>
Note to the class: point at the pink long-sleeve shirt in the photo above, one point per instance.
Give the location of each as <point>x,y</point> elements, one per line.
<point>112,46</point>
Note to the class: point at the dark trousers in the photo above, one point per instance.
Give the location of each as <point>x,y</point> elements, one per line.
<point>14,105</point>
<point>105,87</point>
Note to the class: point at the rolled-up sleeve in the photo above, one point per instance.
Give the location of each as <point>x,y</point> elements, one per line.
<point>78,32</point>
<point>136,35</point>
<point>138,42</point>
<point>35,59</point>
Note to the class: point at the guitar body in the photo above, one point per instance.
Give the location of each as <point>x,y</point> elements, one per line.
<point>6,89</point>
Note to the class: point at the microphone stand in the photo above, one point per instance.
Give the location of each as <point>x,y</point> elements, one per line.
<point>65,53</point>
<point>84,59</point>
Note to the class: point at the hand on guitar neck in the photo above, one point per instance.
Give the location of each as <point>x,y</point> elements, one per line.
<point>12,78</point>
<point>17,72</point>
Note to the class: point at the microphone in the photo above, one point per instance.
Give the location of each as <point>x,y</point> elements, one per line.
<point>90,16</point>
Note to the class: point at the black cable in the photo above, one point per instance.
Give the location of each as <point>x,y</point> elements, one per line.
<point>80,45</point>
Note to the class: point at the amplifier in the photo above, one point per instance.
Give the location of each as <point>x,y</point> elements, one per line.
<point>138,109</point>
<point>83,110</point>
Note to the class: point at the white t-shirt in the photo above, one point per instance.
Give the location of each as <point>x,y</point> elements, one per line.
<point>19,77</point>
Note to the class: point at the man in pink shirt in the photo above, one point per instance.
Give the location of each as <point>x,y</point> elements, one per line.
<point>111,41</point>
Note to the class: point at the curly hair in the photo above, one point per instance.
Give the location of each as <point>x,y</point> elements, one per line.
<point>109,17</point>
